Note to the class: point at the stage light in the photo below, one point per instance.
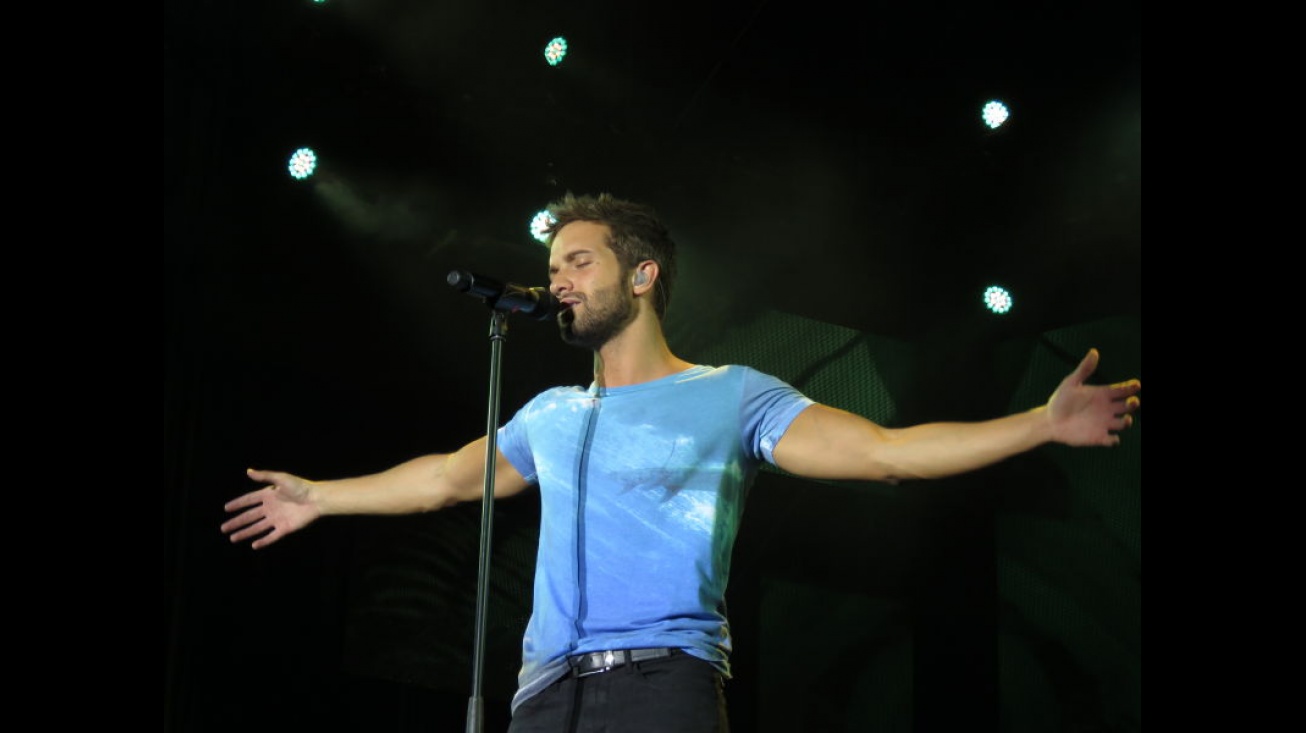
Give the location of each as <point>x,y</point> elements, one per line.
<point>997,299</point>
<point>555,51</point>
<point>540,225</point>
<point>995,114</point>
<point>302,163</point>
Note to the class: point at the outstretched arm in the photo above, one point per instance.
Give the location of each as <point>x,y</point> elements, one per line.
<point>829,443</point>
<point>289,503</point>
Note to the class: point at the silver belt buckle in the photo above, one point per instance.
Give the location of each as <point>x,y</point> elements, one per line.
<point>608,661</point>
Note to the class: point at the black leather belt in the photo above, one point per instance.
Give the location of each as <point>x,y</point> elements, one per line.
<point>584,665</point>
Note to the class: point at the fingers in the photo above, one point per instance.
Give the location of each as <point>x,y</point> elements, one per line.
<point>249,531</point>
<point>1086,367</point>
<point>243,501</point>
<point>254,520</point>
<point>251,524</point>
<point>265,540</point>
<point>1124,389</point>
<point>1112,437</point>
<point>1127,404</point>
<point>251,498</point>
<point>240,520</point>
<point>1108,439</point>
<point>269,477</point>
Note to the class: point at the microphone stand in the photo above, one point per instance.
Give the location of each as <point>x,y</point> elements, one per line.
<point>503,299</point>
<point>498,332</point>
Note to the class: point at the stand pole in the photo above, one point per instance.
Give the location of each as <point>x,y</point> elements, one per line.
<point>476,704</point>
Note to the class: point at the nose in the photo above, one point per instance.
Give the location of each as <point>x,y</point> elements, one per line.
<point>558,285</point>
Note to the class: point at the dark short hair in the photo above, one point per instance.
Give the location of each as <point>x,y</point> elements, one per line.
<point>636,234</point>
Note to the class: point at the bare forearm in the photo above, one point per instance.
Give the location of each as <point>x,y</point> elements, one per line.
<point>417,485</point>
<point>423,484</point>
<point>942,449</point>
<point>829,443</point>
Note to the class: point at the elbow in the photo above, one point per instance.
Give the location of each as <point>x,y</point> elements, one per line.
<point>437,498</point>
<point>894,475</point>
<point>441,502</point>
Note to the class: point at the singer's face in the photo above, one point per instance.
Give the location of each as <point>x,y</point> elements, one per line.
<point>587,278</point>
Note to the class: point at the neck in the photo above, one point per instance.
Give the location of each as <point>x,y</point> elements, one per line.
<point>638,354</point>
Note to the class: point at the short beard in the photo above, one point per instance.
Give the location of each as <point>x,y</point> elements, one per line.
<point>606,315</point>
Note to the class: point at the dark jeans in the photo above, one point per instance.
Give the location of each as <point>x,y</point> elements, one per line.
<point>677,694</point>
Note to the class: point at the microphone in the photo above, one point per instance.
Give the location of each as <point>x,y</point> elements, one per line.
<point>538,303</point>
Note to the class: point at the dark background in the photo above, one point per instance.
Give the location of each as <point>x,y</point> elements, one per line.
<point>839,210</point>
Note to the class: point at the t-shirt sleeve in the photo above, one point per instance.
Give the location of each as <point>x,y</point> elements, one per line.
<point>513,441</point>
<point>769,405</point>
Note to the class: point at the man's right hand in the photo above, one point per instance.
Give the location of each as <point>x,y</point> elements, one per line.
<point>284,506</point>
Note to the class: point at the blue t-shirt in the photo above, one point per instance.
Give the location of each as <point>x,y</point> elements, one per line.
<point>641,490</point>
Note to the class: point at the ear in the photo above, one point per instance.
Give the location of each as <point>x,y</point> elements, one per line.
<point>645,273</point>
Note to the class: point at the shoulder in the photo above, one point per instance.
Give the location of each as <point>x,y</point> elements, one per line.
<point>554,396</point>
<point>725,371</point>
<point>748,380</point>
<point>753,376</point>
